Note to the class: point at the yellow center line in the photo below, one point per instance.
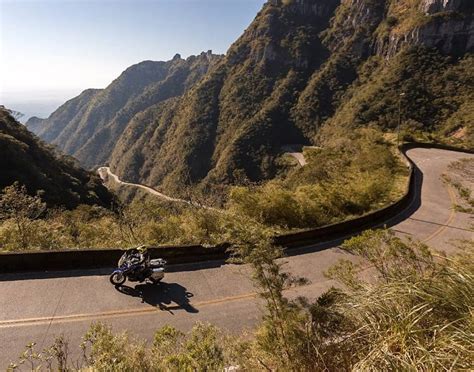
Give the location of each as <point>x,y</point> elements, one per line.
<point>112,314</point>
<point>139,311</point>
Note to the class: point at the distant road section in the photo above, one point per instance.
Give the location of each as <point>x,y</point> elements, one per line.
<point>105,173</point>
<point>37,306</point>
<point>296,151</point>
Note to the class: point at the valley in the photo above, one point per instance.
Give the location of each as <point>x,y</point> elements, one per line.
<point>327,155</point>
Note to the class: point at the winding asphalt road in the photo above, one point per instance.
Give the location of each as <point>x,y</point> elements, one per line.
<point>106,175</point>
<point>37,306</point>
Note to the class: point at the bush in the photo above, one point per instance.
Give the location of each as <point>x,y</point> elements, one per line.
<point>350,177</point>
<point>21,210</point>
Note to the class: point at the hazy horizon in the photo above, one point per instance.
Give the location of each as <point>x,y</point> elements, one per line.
<point>52,50</point>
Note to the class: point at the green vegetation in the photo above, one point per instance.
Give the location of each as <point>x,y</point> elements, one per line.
<point>438,94</point>
<point>348,178</point>
<point>21,210</point>
<point>216,125</point>
<point>303,72</point>
<point>402,16</point>
<point>416,316</point>
<point>32,163</point>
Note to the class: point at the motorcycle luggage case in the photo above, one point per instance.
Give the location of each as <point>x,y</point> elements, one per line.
<point>157,273</point>
<point>156,262</point>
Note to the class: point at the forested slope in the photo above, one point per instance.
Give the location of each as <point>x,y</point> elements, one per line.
<point>30,162</point>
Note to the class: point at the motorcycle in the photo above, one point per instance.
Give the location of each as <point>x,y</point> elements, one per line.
<point>136,266</point>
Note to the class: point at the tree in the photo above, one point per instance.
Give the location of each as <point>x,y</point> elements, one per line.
<point>22,209</point>
<point>282,337</point>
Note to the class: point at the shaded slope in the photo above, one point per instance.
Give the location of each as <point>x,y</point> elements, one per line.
<point>25,159</point>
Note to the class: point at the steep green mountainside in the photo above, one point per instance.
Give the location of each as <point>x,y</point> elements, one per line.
<point>27,160</point>
<point>304,71</point>
<point>300,66</point>
<point>89,125</point>
<point>236,116</point>
<point>438,97</point>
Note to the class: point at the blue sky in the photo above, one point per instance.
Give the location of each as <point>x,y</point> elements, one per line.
<point>53,49</point>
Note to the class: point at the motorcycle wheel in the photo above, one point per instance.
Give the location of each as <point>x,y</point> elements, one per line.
<point>117,278</point>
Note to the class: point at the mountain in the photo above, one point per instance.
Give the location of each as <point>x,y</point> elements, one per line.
<point>304,71</point>
<point>35,124</point>
<point>89,125</point>
<point>59,181</point>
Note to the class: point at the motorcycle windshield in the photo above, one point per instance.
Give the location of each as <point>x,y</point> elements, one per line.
<point>133,256</point>
<point>123,259</point>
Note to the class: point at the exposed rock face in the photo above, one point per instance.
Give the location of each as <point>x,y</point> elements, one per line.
<point>448,26</point>
<point>451,36</point>
<point>353,25</point>
<point>308,17</point>
<point>436,6</point>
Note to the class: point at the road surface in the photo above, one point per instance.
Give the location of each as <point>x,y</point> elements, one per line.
<point>37,306</point>
<point>296,152</point>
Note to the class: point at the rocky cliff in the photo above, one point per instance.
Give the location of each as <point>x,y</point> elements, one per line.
<point>447,25</point>
<point>437,6</point>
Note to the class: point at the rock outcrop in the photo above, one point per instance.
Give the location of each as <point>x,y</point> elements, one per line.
<point>437,6</point>
<point>447,25</point>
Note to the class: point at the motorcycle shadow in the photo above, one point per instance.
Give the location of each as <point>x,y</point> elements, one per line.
<point>165,296</point>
